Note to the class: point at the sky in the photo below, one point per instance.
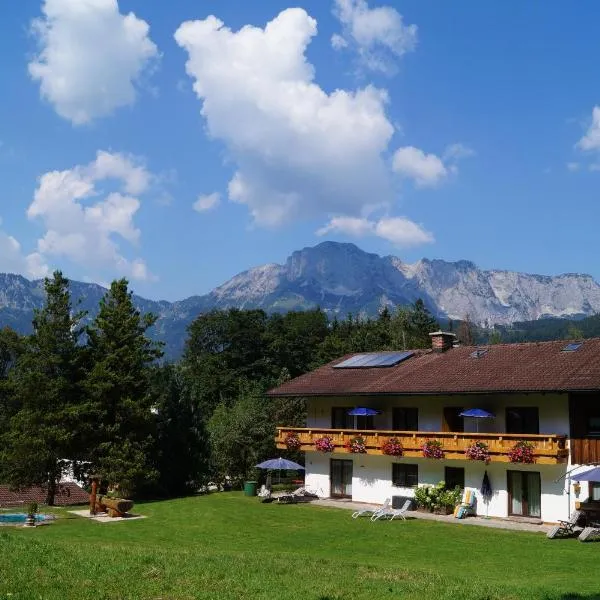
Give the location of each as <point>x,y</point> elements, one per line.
<point>179,143</point>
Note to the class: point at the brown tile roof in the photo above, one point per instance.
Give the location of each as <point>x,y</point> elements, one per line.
<point>67,494</point>
<point>530,367</point>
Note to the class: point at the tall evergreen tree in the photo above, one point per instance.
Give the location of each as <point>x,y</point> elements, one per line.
<point>41,442</point>
<point>118,386</point>
<point>422,324</point>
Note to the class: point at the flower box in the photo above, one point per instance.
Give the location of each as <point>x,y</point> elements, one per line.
<point>292,441</point>
<point>324,444</point>
<point>478,451</point>
<point>392,447</point>
<point>522,452</point>
<point>356,445</point>
<point>433,449</point>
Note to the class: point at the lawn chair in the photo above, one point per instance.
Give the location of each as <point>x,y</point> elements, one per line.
<point>565,528</point>
<point>467,506</point>
<point>299,495</point>
<point>592,532</point>
<point>370,512</point>
<point>393,513</point>
<point>264,495</point>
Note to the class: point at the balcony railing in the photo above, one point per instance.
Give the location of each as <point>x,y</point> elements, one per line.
<point>547,448</point>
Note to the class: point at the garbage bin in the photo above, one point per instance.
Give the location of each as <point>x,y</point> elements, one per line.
<point>250,488</point>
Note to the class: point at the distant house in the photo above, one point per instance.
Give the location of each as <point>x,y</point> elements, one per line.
<point>544,394</point>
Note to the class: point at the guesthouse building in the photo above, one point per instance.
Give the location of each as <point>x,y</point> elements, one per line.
<point>381,424</point>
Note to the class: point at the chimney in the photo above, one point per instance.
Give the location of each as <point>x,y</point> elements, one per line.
<point>442,341</point>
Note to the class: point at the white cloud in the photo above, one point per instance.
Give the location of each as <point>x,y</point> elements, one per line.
<point>207,202</point>
<point>83,223</point>
<point>400,231</point>
<point>91,57</point>
<point>591,140</point>
<point>573,166</point>
<point>299,151</point>
<point>424,169</point>
<point>12,259</point>
<point>379,35</point>
<point>429,170</point>
<point>456,152</point>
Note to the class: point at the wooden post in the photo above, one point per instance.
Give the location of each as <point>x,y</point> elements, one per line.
<point>93,495</point>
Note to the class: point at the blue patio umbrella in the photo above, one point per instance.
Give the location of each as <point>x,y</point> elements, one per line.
<point>477,413</point>
<point>280,463</point>
<point>362,411</point>
<point>591,475</point>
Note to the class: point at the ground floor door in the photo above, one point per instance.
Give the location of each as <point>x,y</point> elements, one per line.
<point>524,494</point>
<point>341,478</point>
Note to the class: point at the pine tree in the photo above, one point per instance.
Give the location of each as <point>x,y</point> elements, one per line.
<point>422,324</point>
<point>118,386</point>
<point>47,401</point>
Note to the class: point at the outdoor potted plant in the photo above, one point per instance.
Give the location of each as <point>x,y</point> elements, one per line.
<point>433,449</point>
<point>356,445</point>
<point>392,447</point>
<point>522,452</point>
<point>324,444</point>
<point>478,451</point>
<point>292,441</point>
<point>31,510</point>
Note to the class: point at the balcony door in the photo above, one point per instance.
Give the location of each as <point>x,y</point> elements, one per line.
<point>524,494</point>
<point>522,419</point>
<point>452,421</point>
<point>340,475</point>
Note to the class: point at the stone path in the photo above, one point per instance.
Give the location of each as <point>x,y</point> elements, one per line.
<point>495,523</point>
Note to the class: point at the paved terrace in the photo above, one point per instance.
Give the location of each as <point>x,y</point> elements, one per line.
<point>495,523</point>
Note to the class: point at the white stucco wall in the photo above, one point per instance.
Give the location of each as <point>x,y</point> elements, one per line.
<point>372,474</point>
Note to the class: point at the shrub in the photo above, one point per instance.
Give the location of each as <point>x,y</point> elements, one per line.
<point>392,447</point>
<point>434,497</point>
<point>31,508</point>
<point>478,451</point>
<point>522,452</point>
<point>433,449</point>
<point>356,444</point>
<point>324,444</point>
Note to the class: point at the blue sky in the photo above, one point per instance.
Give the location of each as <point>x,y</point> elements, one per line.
<point>438,129</point>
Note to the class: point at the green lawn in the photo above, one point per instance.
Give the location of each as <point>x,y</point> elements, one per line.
<point>228,546</point>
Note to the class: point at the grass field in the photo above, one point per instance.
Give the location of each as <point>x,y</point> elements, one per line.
<point>229,546</point>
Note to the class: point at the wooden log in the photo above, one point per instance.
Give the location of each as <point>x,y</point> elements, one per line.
<point>115,505</point>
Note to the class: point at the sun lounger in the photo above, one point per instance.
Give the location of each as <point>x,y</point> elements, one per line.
<point>592,532</point>
<point>299,495</point>
<point>467,506</point>
<point>369,512</point>
<point>565,528</point>
<point>393,513</point>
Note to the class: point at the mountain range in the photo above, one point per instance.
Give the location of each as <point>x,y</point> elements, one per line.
<point>341,278</point>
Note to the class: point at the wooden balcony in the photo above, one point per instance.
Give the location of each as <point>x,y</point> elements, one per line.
<point>549,449</point>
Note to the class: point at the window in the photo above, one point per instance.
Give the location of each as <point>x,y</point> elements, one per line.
<point>595,491</point>
<point>405,475</point>
<point>405,419</point>
<point>522,419</point>
<point>593,429</point>
<point>454,476</point>
<point>340,419</point>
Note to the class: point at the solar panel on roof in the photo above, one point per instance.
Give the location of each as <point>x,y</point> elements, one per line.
<point>372,360</point>
<point>573,347</point>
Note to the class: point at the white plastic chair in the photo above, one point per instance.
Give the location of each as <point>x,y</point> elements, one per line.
<point>369,512</point>
<point>393,513</point>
